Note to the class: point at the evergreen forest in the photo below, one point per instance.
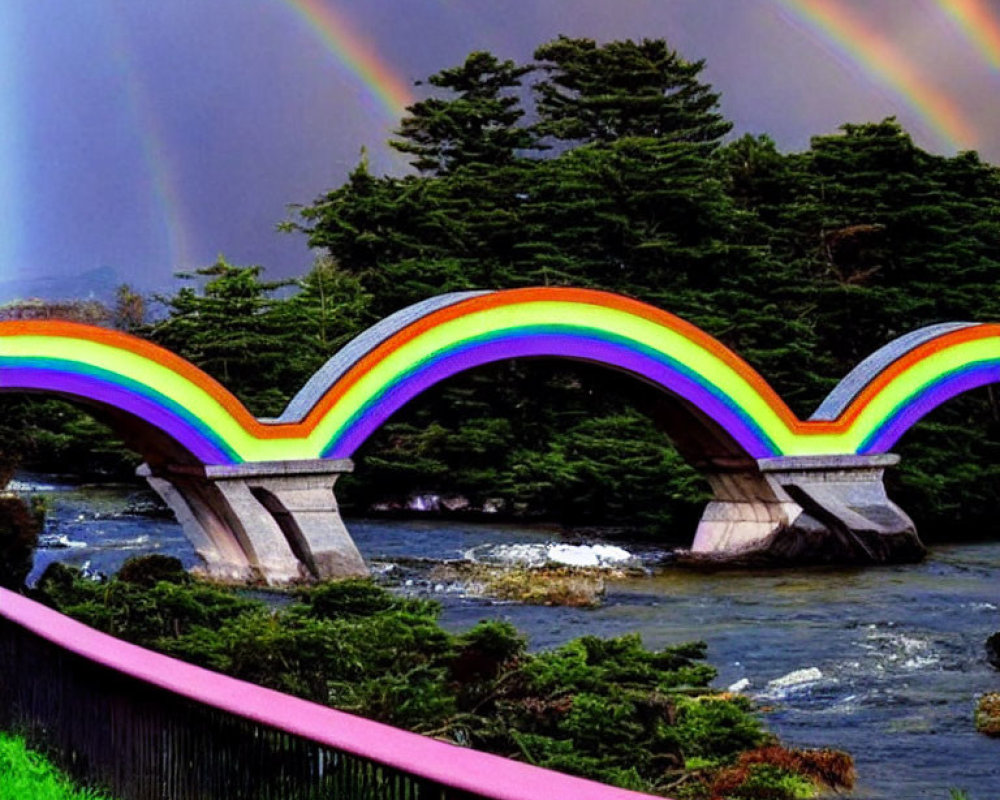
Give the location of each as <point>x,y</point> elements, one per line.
<point>609,166</point>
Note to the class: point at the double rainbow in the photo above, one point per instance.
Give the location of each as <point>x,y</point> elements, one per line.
<point>850,35</point>
<point>386,367</point>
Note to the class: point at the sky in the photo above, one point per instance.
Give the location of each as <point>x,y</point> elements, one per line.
<point>138,139</point>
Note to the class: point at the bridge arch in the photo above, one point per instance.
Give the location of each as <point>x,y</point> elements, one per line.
<point>902,382</point>
<point>161,405</point>
<point>389,365</point>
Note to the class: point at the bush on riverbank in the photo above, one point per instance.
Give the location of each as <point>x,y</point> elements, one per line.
<point>26,775</point>
<point>607,709</point>
<point>20,524</point>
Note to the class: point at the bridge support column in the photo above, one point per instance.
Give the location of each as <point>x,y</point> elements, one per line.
<point>275,521</point>
<point>805,509</point>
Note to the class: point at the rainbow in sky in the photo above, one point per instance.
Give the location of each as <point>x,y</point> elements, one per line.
<point>850,36</point>
<point>385,368</point>
<point>979,23</point>
<point>356,54</point>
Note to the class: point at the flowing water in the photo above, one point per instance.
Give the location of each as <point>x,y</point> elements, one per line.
<point>885,663</point>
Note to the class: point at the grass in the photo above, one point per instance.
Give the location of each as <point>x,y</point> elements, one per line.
<point>26,775</point>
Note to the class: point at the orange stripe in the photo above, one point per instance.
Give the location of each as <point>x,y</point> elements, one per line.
<point>898,367</point>
<point>486,302</point>
<point>550,294</point>
<point>140,347</point>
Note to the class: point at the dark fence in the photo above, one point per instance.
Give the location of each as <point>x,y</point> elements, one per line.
<point>138,741</point>
<point>143,726</point>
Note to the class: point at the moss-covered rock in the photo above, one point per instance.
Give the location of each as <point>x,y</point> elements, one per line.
<point>988,714</point>
<point>581,587</point>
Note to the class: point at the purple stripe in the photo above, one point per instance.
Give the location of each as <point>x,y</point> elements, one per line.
<point>929,398</point>
<point>467,770</point>
<point>606,353</point>
<point>93,389</point>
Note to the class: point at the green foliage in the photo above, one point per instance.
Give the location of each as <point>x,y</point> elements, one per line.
<point>51,435</point>
<point>132,609</point>
<point>768,782</point>
<point>19,528</point>
<point>228,328</point>
<point>27,775</point>
<point>329,307</point>
<point>709,728</point>
<point>606,92</point>
<point>477,126</point>
<point>888,238</point>
<point>605,708</point>
<point>153,569</point>
<point>348,598</point>
<point>129,311</point>
<point>635,204</point>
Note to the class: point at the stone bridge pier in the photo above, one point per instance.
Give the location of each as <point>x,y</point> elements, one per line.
<point>276,522</point>
<point>805,509</point>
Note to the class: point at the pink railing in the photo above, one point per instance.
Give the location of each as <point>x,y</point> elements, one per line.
<point>453,771</point>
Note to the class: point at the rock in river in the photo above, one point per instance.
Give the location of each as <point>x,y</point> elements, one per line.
<point>993,649</point>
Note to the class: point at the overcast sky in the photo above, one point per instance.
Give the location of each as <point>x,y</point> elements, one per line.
<point>151,137</point>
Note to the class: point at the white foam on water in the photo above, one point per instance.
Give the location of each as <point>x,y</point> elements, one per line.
<point>794,681</point>
<point>901,651</point>
<point>29,486</point>
<point>588,555</point>
<point>52,541</point>
<point>601,556</point>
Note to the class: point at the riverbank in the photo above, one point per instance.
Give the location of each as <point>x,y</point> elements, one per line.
<point>603,708</point>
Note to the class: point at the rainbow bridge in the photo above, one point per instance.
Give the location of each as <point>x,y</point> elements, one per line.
<point>256,496</point>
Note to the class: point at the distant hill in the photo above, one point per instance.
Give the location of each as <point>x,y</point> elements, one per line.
<point>96,284</point>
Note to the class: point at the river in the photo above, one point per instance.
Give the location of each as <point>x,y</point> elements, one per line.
<point>889,660</point>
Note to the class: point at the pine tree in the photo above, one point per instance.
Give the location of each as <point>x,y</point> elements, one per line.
<point>476,124</point>
<point>228,328</point>
<point>605,92</point>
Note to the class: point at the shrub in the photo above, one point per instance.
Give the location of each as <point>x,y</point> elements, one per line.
<point>19,529</point>
<point>607,709</point>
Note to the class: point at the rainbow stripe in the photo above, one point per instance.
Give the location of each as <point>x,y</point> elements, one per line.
<point>918,382</point>
<point>354,52</point>
<point>12,152</point>
<point>979,23</point>
<point>837,25</point>
<point>151,141</point>
<point>570,323</point>
<point>437,341</point>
